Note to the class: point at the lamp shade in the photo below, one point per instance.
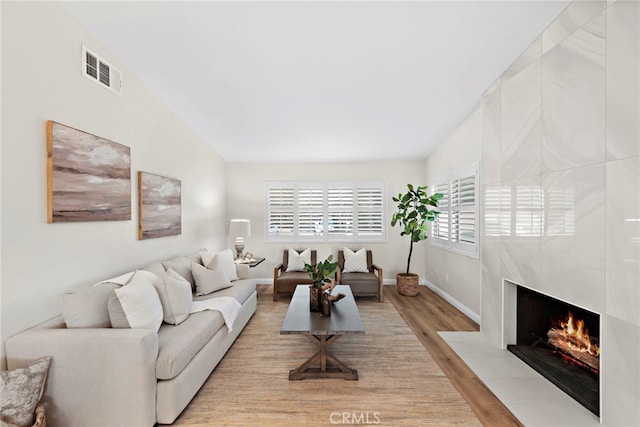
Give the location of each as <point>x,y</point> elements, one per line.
<point>240,228</point>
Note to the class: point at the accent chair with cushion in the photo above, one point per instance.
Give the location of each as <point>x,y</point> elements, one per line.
<point>359,272</point>
<point>290,273</point>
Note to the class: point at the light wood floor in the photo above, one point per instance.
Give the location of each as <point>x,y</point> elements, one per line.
<point>428,313</point>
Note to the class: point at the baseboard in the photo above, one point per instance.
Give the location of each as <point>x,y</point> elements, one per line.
<point>451,300</point>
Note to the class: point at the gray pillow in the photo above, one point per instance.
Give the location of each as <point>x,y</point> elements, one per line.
<point>86,307</point>
<point>175,297</point>
<point>21,390</point>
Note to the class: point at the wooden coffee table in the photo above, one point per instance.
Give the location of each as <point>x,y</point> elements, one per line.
<point>322,331</point>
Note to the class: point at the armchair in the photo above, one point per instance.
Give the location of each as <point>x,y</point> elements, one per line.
<point>362,283</point>
<point>285,282</point>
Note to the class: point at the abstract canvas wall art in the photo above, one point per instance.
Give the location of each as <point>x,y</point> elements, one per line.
<point>159,206</point>
<point>88,177</point>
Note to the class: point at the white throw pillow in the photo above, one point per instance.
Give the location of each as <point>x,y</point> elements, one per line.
<point>137,304</point>
<point>298,260</point>
<point>224,260</point>
<point>209,280</point>
<point>355,262</point>
<point>175,296</point>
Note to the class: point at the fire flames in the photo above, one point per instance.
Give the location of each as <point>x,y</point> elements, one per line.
<point>572,337</point>
<point>576,336</point>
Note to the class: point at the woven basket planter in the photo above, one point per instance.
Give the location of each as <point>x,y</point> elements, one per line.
<point>407,284</point>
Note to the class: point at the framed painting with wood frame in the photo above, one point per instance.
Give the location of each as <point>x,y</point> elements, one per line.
<point>88,177</point>
<point>159,206</point>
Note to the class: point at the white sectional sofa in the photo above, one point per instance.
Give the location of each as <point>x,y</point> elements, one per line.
<point>106,376</point>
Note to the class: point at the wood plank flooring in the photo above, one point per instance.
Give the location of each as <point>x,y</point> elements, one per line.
<point>426,314</point>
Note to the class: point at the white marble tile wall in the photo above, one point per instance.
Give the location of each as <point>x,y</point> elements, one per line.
<point>521,138</point>
<point>620,372</point>
<point>623,80</point>
<point>623,239</point>
<point>573,94</point>
<point>587,248</point>
<point>573,246</point>
<point>521,244</point>
<point>491,295</point>
<point>491,117</point>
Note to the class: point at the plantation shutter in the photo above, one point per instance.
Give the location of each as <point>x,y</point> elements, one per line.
<point>280,215</point>
<point>440,229</point>
<point>310,212</point>
<point>463,215</point>
<point>456,227</point>
<point>370,207</point>
<point>325,211</point>
<point>340,211</point>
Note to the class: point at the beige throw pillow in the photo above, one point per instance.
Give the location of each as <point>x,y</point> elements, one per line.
<point>86,307</point>
<point>209,280</point>
<point>175,296</point>
<point>355,262</point>
<point>224,260</point>
<point>137,304</point>
<point>298,260</point>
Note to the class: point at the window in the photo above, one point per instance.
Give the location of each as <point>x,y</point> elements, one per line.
<point>456,228</point>
<point>325,211</point>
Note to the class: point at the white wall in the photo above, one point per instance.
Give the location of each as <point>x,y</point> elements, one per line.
<point>461,149</point>
<point>245,199</point>
<point>41,80</point>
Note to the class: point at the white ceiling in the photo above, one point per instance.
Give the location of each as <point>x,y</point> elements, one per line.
<point>321,80</point>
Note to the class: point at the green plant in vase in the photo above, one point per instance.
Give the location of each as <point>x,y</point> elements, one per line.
<point>321,275</point>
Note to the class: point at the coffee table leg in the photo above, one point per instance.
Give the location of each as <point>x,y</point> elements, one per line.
<point>322,356</point>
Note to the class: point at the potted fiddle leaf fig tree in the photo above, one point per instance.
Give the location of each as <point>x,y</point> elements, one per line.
<point>415,211</point>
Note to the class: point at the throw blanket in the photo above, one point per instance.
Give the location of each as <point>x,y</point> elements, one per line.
<point>228,306</point>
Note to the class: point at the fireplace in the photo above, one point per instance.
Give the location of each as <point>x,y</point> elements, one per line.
<point>561,342</point>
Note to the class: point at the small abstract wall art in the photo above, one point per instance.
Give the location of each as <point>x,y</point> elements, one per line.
<point>159,208</point>
<point>88,177</point>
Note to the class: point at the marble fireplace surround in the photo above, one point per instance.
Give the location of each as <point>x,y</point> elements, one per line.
<point>561,194</point>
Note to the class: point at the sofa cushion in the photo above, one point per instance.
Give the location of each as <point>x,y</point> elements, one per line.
<point>361,282</point>
<point>178,344</point>
<point>182,266</point>
<point>156,268</point>
<point>241,290</point>
<point>137,304</point>
<point>175,296</point>
<point>208,280</point>
<point>86,307</point>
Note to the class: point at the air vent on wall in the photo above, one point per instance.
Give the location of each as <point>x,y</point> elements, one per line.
<point>101,72</point>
